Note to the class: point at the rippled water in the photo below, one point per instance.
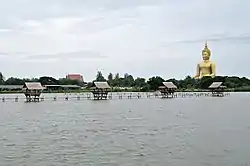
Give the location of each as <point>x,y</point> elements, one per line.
<point>148,132</point>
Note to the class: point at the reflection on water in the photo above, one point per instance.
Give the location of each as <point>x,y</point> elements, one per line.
<point>157,132</point>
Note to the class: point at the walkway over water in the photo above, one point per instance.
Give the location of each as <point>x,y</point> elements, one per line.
<point>111,96</point>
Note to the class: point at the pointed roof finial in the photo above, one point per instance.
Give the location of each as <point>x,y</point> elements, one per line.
<point>206,49</point>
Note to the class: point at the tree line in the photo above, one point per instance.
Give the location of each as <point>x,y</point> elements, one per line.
<point>129,81</point>
<point>188,83</point>
<point>45,80</point>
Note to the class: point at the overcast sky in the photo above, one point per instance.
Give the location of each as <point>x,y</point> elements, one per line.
<point>139,37</point>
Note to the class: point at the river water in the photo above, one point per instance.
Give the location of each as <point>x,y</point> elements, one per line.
<point>137,132</point>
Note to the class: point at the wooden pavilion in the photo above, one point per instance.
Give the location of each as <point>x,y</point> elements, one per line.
<point>32,91</point>
<point>100,90</point>
<point>217,89</point>
<point>167,90</point>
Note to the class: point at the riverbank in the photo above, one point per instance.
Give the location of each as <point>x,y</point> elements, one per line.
<point>128,90</point>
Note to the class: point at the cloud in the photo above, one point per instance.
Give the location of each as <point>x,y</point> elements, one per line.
<point>244,38</point>
<point>81,55</point>
<point>3,53</point>
<point>143,37</point>
<point>5,30</point>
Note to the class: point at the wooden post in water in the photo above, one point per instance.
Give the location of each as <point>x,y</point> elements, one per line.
<point>16,99</point>
<point>130,96</point>
<point>110,96</point>
<point>148,95</point>
<point>88,96</point>
<point>120,96</point>
<point>138,95</point>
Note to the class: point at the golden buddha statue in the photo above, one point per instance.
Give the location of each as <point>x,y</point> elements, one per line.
<point>207,67</point>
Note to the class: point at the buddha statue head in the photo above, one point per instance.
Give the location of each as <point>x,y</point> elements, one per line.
<point>206,53</point>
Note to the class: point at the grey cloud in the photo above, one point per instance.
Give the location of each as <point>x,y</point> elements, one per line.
<point>182,23</point>
<point>245,38</point>
<point>106,4</point>
<point>37,10</point>
<point>13,54</point>
<point>97,25</point>
<point>4,53</point>
<point>30,9</point>
<point>116,5</point>
<point>80,55</point>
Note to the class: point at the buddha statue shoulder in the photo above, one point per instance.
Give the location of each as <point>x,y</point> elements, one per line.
<point>206,67</point>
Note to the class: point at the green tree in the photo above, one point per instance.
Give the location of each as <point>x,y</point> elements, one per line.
<point>110,79</point>
<point>187,83</point>
<point>117,76</point>
<point>30,79</point>
<point>205,82</point>
<point>128,80</point>
<point>140,82</point>
<point>64,81</point>
<point>155,82</point>
<point>14,81</point>
<point>1,78</point>
<point>89,84</point>
<point>48,80</point>
<point>117,80</point>
<point>99,76</point>
<point>235,81</point>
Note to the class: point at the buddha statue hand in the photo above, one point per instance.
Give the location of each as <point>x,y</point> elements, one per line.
<point>212,75</point>
<point>196,77</point>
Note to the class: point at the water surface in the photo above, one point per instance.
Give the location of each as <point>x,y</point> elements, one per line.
<point>128,132</point>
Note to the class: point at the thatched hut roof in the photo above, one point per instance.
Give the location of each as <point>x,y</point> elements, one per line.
<point>215,85</point>
<point>169,85</point>
<point>101,85</point>
<point>33,86</point>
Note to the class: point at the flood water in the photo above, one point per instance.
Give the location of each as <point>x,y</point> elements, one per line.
<point>137,132</point>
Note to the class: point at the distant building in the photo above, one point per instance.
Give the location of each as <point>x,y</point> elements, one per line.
<point>77,77</point>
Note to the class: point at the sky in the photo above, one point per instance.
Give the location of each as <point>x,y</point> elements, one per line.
<point>144,38</point>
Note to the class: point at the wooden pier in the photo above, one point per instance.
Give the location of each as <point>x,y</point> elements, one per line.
<point>167,90</point>
<point>100,90</point>
<point>32,91</point>
<point>110,96</point>
<point>217,89</point>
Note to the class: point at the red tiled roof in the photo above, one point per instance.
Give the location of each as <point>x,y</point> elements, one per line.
<point>74,77</point>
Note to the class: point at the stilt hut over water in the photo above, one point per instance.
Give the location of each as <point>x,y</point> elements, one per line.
<point>167,89</point>
<point>217,89</point>
<point>32,91</point>
<point>100,90</point>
